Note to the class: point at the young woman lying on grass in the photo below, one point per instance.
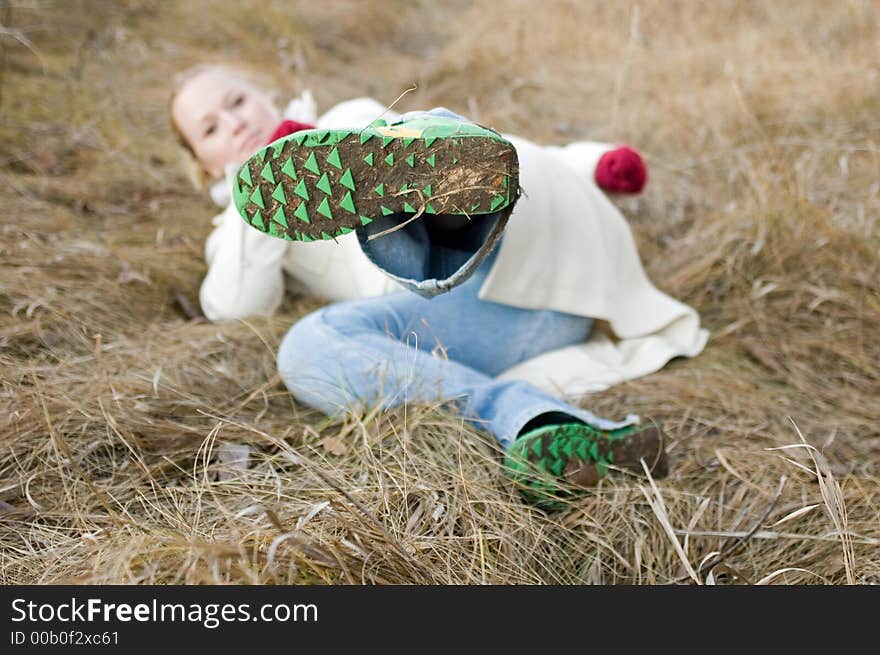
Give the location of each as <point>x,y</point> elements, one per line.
<point>464,265</point>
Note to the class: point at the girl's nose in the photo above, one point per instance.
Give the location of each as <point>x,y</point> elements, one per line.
<point>236,122</point>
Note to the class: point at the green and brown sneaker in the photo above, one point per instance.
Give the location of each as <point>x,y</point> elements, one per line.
<point>323,183</point>
<point>553,462</point>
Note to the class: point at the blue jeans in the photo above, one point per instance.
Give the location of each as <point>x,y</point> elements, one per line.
<point>440,343</point>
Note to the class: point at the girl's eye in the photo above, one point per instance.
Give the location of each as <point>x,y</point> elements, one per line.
<point>210,130</point>
<point>238,100</point>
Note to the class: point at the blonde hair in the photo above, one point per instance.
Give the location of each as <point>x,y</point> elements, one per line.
<point>194,170</point>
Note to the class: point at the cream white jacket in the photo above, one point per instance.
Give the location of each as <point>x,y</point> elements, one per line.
<point>581,260</point>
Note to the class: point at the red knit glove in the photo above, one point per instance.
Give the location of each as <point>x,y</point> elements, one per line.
<point>621,170</point>
<point>288,126</point>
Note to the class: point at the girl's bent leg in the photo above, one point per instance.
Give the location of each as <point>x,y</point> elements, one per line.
<point>359,353</point>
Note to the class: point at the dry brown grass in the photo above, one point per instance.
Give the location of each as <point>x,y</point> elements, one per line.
<point>760,122</point>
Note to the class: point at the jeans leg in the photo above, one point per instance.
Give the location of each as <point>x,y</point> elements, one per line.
<point>403,348</point>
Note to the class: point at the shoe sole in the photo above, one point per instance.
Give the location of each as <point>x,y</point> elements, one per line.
<point>321,184</point>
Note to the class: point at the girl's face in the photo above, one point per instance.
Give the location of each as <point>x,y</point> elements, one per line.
<point>224,119</point>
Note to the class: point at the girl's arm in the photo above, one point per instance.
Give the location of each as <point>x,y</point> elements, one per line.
<point>613,168</point>
<point>245,276</point>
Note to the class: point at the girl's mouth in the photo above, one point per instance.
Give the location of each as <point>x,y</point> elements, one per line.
<point>252,141</point>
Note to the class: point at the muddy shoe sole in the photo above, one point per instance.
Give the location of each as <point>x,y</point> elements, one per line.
<point>320,184</point>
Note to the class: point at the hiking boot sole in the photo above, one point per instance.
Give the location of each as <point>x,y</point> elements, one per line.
<point>320,184</point>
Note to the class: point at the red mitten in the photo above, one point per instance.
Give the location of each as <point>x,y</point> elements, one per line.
<point>621,170</point>
<point>288,126</point>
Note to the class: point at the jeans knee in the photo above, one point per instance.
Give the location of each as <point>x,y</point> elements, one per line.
<point>317,360</point>
<point>302,341</point>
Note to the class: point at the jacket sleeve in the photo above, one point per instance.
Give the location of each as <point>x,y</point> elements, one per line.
<point>582,156</point>
<point>245,276</point>
<point>358,112</point>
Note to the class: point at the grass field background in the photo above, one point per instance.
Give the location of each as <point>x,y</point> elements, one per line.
<point>760,123</point>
